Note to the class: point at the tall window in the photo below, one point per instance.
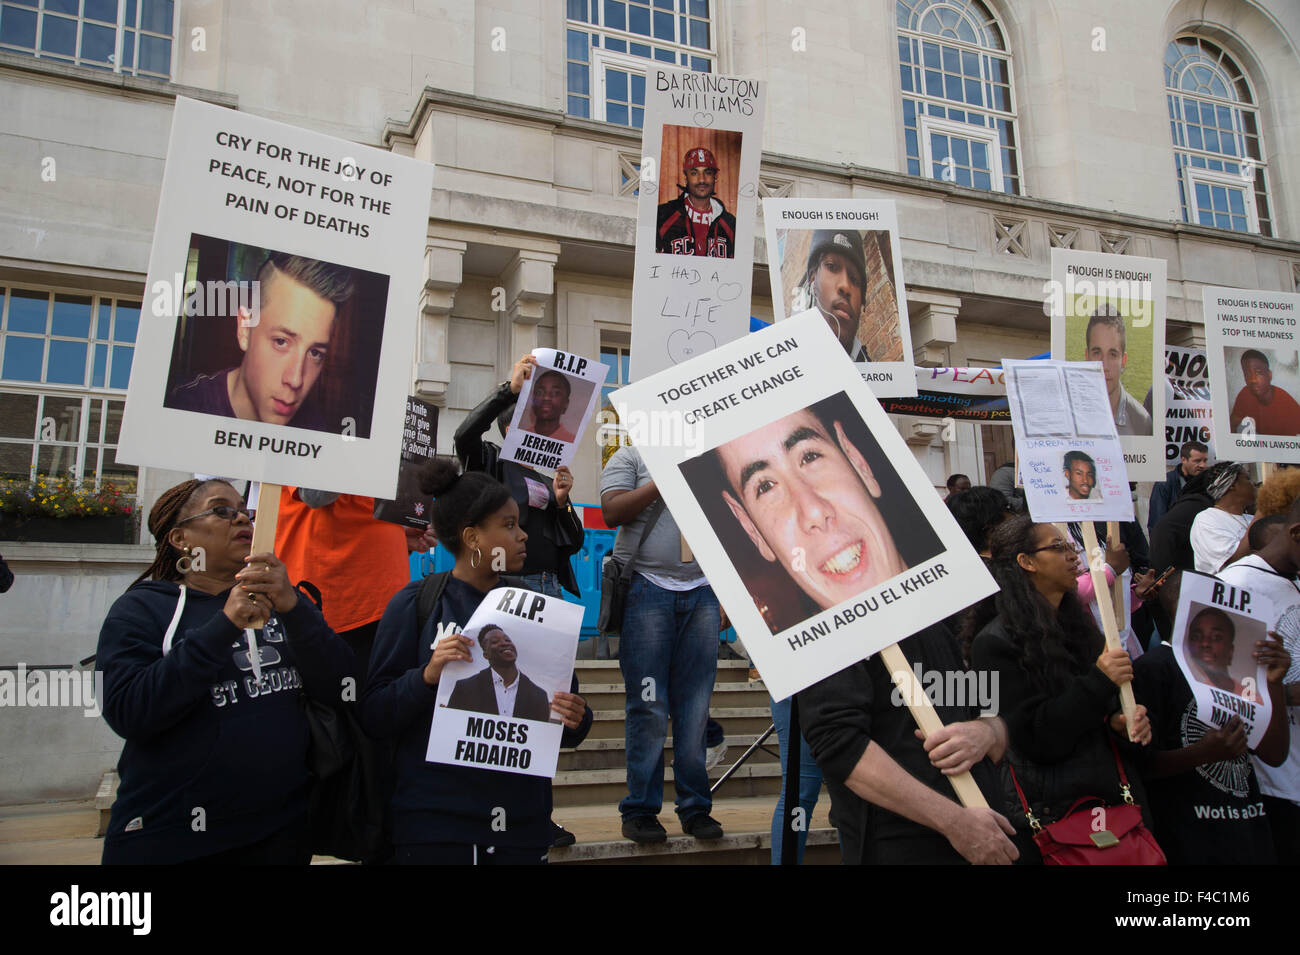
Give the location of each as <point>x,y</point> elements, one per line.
<point>959,115</point>
<point>65,361</point>
<point>1218,156</point>
<point>124,36</point>
<point>615,352</point>
<point>608,44</point>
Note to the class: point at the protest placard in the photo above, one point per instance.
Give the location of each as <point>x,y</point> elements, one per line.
<point>696,215</point>
<point>556,402</point>
<point>843,258</point>
<point>815,525</point>
<point>1215,632</point>
<point>1251,339</point>
<point>412,507</point>
<point>494,712</point>
<point>1187,401</point>
<point>1069,455</point>
<point>1111,309</point>
<point>963,394</point>
<point>275,339</point>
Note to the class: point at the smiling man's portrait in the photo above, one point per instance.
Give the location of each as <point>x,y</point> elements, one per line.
<point>500,689</point>
<point>808,505</point>
<point>1080,476</point>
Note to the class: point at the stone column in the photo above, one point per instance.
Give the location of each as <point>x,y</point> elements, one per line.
<point>442,277</point>
<point>529,281</point>
<point>934,326</point>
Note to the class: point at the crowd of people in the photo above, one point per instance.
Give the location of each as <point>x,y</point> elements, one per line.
<point>213,659</point>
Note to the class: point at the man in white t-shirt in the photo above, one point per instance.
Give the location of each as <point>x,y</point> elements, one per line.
<point>1219,532</point>
<point>1272,571</point>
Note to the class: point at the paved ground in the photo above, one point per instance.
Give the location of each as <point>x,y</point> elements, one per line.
<point>62,833</point>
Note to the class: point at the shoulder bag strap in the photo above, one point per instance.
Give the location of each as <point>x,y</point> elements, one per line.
<point>658,507</point>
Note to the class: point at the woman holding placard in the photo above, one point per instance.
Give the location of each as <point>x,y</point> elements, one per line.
<point>452,814</point>
<point>204,659</point>
<point>1057,683</point>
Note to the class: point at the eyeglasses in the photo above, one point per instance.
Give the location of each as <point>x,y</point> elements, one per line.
<point>1063,546</point>
<point>223,511</point>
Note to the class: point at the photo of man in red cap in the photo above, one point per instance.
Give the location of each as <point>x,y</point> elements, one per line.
<point>696,222</point>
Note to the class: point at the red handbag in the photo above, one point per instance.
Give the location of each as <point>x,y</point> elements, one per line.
<point>1115,836</point>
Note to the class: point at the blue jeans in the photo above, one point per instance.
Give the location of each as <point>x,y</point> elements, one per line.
<point>670,638</point>
<point>544,582</point>
<point>810,782</point>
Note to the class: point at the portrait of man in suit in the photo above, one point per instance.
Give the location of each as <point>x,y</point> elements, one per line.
<point>499,689</point>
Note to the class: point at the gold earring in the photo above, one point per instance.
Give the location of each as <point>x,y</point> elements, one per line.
<point>478,556</point>
<point>184,564</point>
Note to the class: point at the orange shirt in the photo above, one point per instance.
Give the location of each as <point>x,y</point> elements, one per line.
<point>357,562</point>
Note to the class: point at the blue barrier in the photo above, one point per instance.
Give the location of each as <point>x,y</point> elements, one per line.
<point>586,570</point>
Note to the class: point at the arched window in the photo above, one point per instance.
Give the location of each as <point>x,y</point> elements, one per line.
<point>959,115</point>
<point>1218,156</point>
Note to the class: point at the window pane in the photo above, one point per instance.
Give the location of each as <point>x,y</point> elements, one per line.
<point>979,155</point>
<point>616,85</point>
<point>698,8</point>
<point>113,425</point>
<point>952,87</point>
<point>951,60</point>
<point>639,49</point>
<point>17,416</point>
<point>105,317</point>
<point>155,55</point>
<point>59,35</point>
<point>105,10</point>
<point>577,46</point>
<point>638,120</point>
<point>56,461</point>
<point>120,376</point>
<point>983,180</point>
<point>663,26</point>
<point>156,15</point>
<point>97,43</point>
<point>616,113</point>
<point>974,95</point>
<point>638,88</point>
<point>578,79</point>
<point>62,6</point>
<point>961,151</point>
<point>578,10</point>
<point>700,65</point>
<point>23,358</point>
<point>618,46</point>
<point>664,56</point>
<point>930,55</point>
<point>101,365</point>
<point>16,461</point>
<point>128,321</point>
<point>18,27</point>
<point>933,83</point>
<point>72,316</point>
<point>123,475</point>
<point>128,47</point>
<point>95,419</point>
<point>28,311</point>
<point>700,34</point>
<point>579,107</point>
<point>66,415</point>
<point>1236,202</point>
<point>67,363</point>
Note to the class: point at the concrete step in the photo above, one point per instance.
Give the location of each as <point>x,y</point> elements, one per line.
<point>611,753</point>
<point>592,787</point>
<point>609,696</point>
<point>734,719</point>
<point>607,671</point>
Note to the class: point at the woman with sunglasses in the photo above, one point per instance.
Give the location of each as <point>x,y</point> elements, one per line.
<point>1058,685</point>
<point>204,658</point>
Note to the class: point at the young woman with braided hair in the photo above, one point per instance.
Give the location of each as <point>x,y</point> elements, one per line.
<point>215,763</point>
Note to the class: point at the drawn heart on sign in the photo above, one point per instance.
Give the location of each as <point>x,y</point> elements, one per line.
<point>728,290</point>
<point>748,190</point>
<point>684,345</point>
<point>703,119</point>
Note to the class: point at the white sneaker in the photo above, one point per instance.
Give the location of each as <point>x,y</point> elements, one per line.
<point>713,755</point>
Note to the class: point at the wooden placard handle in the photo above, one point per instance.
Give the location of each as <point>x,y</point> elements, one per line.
<point>927,718</point>
<point>1098,570</point>
<point>268,512</point>
<point>1116,588</point>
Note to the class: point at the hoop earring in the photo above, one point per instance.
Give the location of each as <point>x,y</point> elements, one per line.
<point>184,564</point>
<point>478,556</point>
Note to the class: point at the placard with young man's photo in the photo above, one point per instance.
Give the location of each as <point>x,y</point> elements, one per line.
<point>812,520</point>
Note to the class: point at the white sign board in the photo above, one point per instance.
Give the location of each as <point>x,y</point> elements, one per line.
<point>495,711</point>
<point>275,339</point>
<point>1187,401</point>
<point>696,215</point>
<point>812,520</point>
<point>1070,457</point>
<point>843,258</point>
<point>1251,338</point>
<point>1111,309</point>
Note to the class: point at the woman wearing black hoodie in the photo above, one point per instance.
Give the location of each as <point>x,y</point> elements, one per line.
<point>215,763</point>
<point>457,814</point>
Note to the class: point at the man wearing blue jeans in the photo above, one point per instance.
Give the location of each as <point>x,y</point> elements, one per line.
<point>668,652</point>
<point>810,782</point>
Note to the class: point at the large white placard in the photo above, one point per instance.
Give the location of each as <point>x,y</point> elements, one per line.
<point>1070,457</point>
<point>275,339</point>
<point>554,406</point>
<point>843,258</point>
<point>1111,309</point>
<point>495,711</point>
<point>1215,634</point>
<point>696,215</point>
<point>815,525</point>
<point>1252,338</point>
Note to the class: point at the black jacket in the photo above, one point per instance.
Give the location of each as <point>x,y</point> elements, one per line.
<point>560,525</point>
<point>476,694</point>
<point>674,235</point>
<point>1163,496</point>
<point>1171,541</point>
<point>1059,742</point>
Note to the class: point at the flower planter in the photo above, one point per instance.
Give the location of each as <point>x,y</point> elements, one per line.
<point>114,529</point>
